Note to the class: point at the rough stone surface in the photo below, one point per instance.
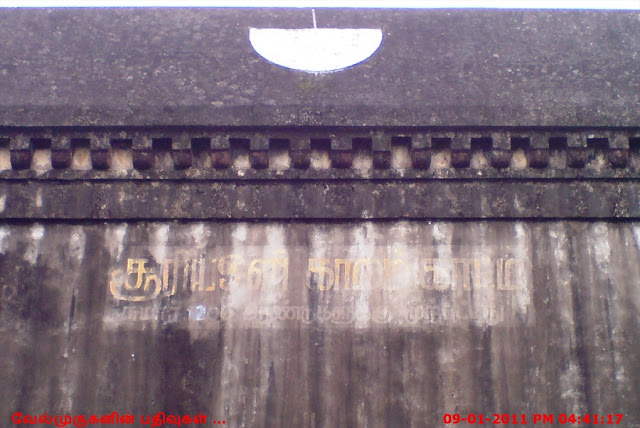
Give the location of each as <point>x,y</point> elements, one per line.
<point>330,199</point>
<point>557,333</point>
<point>436,67</point>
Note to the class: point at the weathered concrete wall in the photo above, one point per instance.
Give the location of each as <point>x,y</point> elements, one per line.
<point>253,324</point>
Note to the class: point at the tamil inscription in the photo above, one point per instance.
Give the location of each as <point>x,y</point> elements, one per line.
<point>327,281</point>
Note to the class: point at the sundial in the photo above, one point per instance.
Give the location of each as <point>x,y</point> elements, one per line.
<point>316,50</point>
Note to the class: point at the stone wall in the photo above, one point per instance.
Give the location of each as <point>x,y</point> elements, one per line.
<point>449,229</point>
<point>321,324</point>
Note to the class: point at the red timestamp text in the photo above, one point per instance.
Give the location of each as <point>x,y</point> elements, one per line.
<point>532,419</point>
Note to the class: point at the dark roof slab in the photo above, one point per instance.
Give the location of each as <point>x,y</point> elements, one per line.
<point>142,67</point>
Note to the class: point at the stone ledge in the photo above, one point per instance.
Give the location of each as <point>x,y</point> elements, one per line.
<point>319,200</point>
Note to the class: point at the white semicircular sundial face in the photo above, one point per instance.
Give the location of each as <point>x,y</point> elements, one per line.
<point>315,50</point>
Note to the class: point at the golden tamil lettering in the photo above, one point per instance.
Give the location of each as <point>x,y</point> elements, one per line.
<point>511,271</point>
<point>343,276</point>
<point>365,265</point>
<point>320,274</point>
<point>140,280</point>
<point>142,288</point>
<point>197,274</point>
<point>228,269</point>
<point>175,276</point>
<point>277,267</point>
<point>431,275</point>
<point>468,272</point>
<point>352,274</point>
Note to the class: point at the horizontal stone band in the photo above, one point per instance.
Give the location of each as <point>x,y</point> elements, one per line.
<point>359,149</point>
